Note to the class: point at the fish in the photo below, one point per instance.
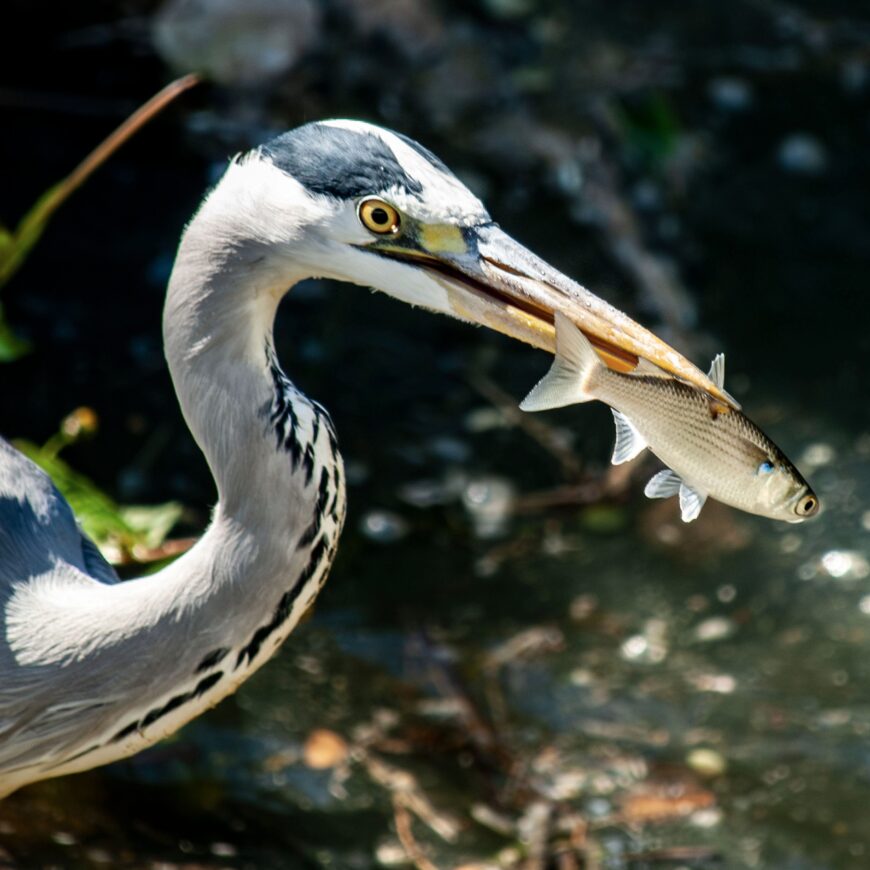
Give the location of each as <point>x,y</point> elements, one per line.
<point>710,449</point>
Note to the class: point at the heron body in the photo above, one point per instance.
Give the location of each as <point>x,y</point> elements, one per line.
<point>93,669</point>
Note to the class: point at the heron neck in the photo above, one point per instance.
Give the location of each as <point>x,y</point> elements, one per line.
<point>217,330</point>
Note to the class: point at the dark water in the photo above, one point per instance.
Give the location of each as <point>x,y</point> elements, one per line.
<point>698,695</point>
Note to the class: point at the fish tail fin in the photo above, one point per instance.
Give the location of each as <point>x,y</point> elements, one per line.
<point>568,378</point>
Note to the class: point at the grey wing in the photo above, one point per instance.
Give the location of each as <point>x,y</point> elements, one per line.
<point>38,534</point>
<point>38,531</point>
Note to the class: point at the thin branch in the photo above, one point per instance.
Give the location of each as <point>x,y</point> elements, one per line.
<point>406,836</point>
<point>16,247</point>
<point>114,141</point>
<point>548,437</point>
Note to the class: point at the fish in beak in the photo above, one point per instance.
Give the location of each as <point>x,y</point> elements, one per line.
<point>708,453</point>
<point>493,280</point>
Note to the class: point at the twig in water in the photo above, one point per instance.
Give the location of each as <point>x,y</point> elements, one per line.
<point>404,787</point>
<point>548,437</point>
<point>406,836</point>
<point>535,826</point>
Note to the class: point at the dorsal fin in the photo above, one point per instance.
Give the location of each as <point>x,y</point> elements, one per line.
<point>717,375</point>
<point>717,371</point>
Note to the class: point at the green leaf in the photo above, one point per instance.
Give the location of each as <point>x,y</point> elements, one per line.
<point>152,523</point>
<point>11,346</point>
<point>116,529</point>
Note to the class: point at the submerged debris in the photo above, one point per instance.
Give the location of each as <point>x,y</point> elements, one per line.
<point>706,762</point>
<point>802,154</point>
<point>489,502</point>
<point>650,647</point>
<point>324,748</point>
<point>730,93</point>
<point>383,526</point>
<point>714,628</point>
<point>667,801</point>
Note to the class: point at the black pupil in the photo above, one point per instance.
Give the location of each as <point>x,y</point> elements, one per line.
<point>380,216</point>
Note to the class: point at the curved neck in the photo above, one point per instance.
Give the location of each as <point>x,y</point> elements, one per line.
<point>217,327</point>
<point>272,452</point>
<point>223,295</point>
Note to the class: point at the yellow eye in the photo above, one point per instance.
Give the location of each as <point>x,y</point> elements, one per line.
<point>379,216</point>
<point>808,506</point>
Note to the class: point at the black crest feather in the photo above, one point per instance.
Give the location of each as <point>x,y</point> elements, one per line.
<point>342,163</point>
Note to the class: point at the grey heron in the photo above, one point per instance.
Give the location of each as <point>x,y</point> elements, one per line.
<point>93,669</point>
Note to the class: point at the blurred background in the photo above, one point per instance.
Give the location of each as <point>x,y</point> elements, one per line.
<point>518,661</point>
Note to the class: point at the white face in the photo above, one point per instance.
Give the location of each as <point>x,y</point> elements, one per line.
<point>321,234</point>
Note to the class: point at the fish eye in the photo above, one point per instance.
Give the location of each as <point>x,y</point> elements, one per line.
<point>807,506</point>
<point>766,467</point>
<point>379,217</point>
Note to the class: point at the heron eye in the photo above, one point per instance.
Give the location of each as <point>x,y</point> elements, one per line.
<point>379,216</point>
<point>808,506</point>
<point>766,467</point>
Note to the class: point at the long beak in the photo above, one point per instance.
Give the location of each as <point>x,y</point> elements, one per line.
<point>493,280</point>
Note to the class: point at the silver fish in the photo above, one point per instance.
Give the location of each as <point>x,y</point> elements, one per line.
<point>711,449</point>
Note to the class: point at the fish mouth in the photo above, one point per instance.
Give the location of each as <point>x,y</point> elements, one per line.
<point>804,505</point>
<point>494,281</point>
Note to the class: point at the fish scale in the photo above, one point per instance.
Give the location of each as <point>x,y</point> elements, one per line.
<point>660,406</point>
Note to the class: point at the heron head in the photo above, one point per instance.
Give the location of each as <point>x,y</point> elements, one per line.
<point>355,202</point>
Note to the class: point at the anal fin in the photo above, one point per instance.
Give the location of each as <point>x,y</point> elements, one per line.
<point>629,442</point>
<point>691,502</point>
<point>667,483</point>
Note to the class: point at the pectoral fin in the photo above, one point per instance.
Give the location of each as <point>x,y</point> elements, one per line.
<point>663,485</point>
<point>691,502</point>
<point>629,442</point>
